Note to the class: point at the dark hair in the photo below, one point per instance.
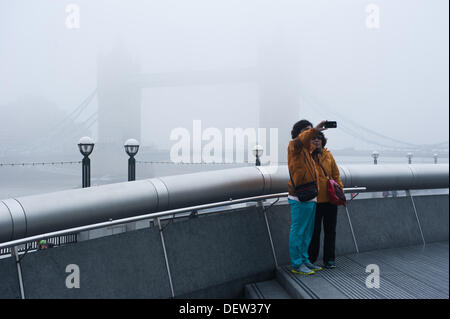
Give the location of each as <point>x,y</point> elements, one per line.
<point>299,126</point>
<point>322,138</point>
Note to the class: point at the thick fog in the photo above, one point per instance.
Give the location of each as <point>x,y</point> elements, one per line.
<point>380,68</point>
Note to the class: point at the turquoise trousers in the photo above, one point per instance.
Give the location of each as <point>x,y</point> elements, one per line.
<point>302,227</point>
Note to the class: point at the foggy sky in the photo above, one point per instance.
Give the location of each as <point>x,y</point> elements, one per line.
<point>393,79</point>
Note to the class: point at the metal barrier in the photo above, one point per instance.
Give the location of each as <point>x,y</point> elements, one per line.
<point>58,215</point>
<point>33,245</point>
<point>55,237</point>
<point>67,236</point>
<point>32,215</point>
<point>183,213</point>
<point>158,215</point>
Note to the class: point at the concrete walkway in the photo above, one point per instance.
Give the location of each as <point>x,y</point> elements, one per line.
<point>418,272</point>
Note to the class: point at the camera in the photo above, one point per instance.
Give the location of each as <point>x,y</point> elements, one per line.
<point>330,124</point>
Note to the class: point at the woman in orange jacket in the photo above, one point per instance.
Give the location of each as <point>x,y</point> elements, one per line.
<point>326,168</point>
<point>302,171</point>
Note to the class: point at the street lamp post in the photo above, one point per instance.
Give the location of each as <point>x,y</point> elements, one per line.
<point>409,156</point>
<point>131,148</point>
<point>435,156</point>
<point>258,152</point>
<point>86,146</point>
<point>375,155</point>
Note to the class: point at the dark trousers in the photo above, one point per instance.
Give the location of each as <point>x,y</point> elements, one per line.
<point>328,213</point>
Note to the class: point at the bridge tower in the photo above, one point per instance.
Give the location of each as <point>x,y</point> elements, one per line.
<point>119,99</point>
<point>279,90</point>
<point>119,106</point>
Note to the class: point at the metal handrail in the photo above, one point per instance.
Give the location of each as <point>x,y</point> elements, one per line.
<point>137,218</point>
<point>32,215</point>
<point>111,223</point>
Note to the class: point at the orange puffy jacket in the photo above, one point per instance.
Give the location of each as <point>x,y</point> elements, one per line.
<point>328,163</point>
<point>300,163</point>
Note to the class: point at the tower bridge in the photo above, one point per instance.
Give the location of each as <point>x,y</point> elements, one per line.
<point>120,85</point>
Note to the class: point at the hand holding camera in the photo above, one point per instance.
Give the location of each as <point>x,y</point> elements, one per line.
<point>322,126</point>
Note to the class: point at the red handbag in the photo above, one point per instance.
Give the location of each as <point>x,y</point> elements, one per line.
<point>336,195</point>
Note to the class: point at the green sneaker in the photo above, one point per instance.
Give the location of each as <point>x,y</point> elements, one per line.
<point>313,267</point>
<point>302,270</point>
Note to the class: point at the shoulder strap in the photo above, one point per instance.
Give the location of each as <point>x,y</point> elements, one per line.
<point>312,165</point>
<point>292,181</point>
<point>318,161</point>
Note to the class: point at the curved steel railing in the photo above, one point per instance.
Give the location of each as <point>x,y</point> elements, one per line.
<point>38,214</point>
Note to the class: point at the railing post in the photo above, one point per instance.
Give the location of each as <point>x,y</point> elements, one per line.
<point>351,229</point>
<point>165,257</point>
<point>15,252</point>
<point>350,221</point>
<point>408,193</point>
<point>261,204</point>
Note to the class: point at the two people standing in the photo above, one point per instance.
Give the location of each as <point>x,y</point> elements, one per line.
<point>310,163</point>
